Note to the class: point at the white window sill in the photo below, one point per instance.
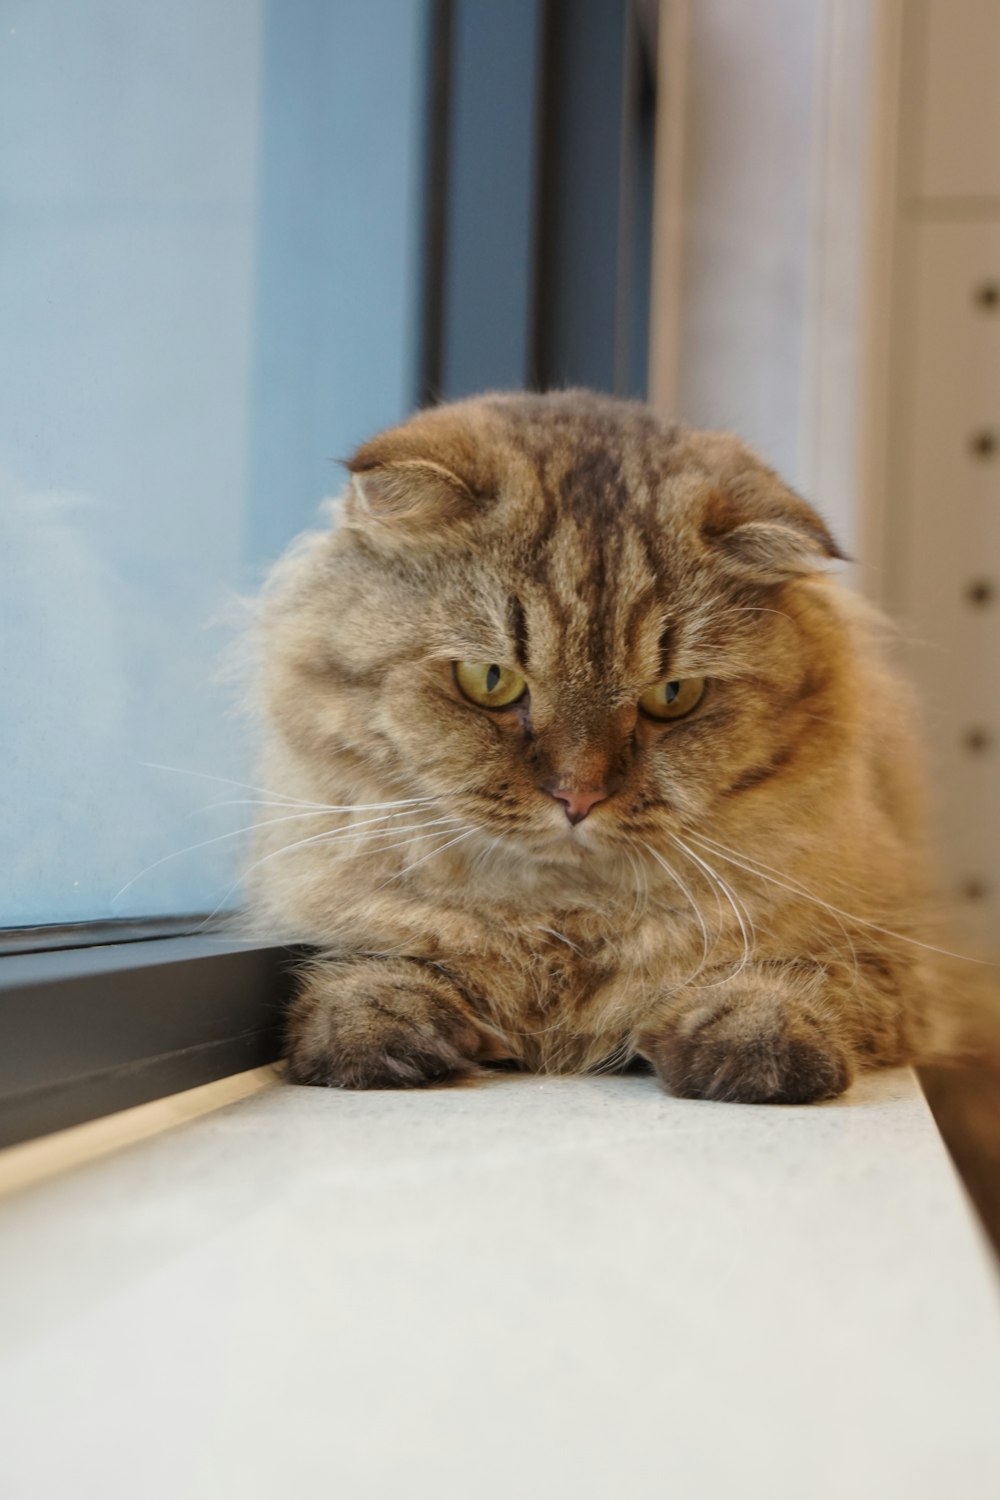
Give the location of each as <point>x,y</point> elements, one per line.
<point>533,1287</point>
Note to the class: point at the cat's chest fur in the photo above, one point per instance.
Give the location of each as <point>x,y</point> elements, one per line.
<point>569,983</point>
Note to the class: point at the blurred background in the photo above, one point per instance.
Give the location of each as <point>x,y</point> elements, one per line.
<point>238,236</point>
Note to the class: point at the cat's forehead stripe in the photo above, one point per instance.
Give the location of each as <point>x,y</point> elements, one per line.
<point>593,487</point>
<point>517,626</point>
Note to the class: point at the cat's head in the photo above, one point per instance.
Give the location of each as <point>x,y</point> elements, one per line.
<point>561,618</point>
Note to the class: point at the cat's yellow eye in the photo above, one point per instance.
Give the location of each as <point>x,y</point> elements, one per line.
<point>489,685</point>
<point>672,700</point>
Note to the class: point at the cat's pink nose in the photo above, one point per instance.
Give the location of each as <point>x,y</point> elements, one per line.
<point>576,805</point>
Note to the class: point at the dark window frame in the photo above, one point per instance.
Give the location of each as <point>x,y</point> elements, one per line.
<point>97,1017</point>
<point>91,1030</point>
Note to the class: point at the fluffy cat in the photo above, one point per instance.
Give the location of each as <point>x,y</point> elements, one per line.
<point>582,758</point>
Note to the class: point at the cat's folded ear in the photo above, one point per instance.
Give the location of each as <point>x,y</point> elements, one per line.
<point>763,530</point>
<point>409,492</point>
<point>418,478</point>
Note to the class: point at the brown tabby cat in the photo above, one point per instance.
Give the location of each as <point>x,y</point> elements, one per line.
<point>581,759</point>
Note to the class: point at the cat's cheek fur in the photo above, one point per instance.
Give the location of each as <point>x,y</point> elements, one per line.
<point>382,1023</point>
<point>754,1039</point>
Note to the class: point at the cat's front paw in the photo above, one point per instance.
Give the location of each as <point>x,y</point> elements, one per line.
<point>379,1024</point>
<point>735,1049</point>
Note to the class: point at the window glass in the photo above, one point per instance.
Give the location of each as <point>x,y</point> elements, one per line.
<point>209,278</point>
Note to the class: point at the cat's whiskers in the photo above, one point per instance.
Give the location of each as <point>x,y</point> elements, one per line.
<point>234,833</point>
<point>753,868</point>
<point>332,836</point>
<point>439,832</point>
<point>641,880</point>
<point>641,887</point>
<point>644,876</point>
<point>840,917</point>
<point>742,916</point>
<point>706,940</point>
<point>844,932</point>
<point>406,870</point>
<point>636,889</point>
<point>152,765</point>
<point>484,854</point>
<point>327,836</point>
<point>283,799</point>
<point>371,839</point>
<point>314,810</point>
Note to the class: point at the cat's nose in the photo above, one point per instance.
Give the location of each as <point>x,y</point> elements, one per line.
<point>576,805</point>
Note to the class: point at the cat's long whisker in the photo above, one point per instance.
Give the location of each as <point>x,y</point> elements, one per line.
<point>152,765</point>
<point>640,903</point>
<point>280,799</point>
<point>371,837</point>
<point>236,833</point>
<point>634,867</point>
<point>371,840</point>
<point>403,843</point>
<point>797,890</point>
<point>767,873</point>
<point>721,851</point>
<point>434,852</point>
<point>314,810</point>
<point>484,854</point>
<point>641,879</point>
<point>730,897</point>
<point>758,865</point>
<point>706,941</point>
<point>367,834</point>
<point>466,835</point>
<point>644,879</point>
<point>328,836</point>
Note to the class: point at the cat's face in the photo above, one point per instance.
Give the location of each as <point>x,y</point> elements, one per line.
<point>567,623</point>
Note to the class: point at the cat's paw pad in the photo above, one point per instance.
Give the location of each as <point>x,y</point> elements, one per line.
<point>723,1053</point>
<point>378,1036</point>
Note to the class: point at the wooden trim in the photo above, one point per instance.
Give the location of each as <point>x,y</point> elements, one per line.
<point>32,1162</point>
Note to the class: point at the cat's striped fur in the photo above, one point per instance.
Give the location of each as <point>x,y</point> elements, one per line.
<point>745,906</point>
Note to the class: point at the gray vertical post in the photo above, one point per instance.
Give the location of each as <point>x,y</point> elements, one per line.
<point>489,248</point>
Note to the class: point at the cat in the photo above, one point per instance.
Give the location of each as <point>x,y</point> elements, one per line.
<point>582,759</point>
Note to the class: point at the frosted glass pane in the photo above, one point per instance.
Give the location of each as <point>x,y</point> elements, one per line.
<point>209,244</point>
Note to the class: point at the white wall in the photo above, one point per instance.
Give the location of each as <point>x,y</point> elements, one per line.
<point>828,208</point>
<point>762,203</point>
<point>942,523</point>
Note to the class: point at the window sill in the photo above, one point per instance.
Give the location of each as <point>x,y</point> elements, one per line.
<point>544,1286</point>
<point>88,1031</point>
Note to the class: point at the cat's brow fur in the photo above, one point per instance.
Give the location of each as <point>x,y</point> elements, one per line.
<point>741,909</point>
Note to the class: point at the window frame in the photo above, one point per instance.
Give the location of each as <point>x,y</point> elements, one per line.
<point>91,1030</point>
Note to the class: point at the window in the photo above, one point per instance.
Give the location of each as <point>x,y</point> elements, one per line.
<point>239,237</point>
<point>209,282</point>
